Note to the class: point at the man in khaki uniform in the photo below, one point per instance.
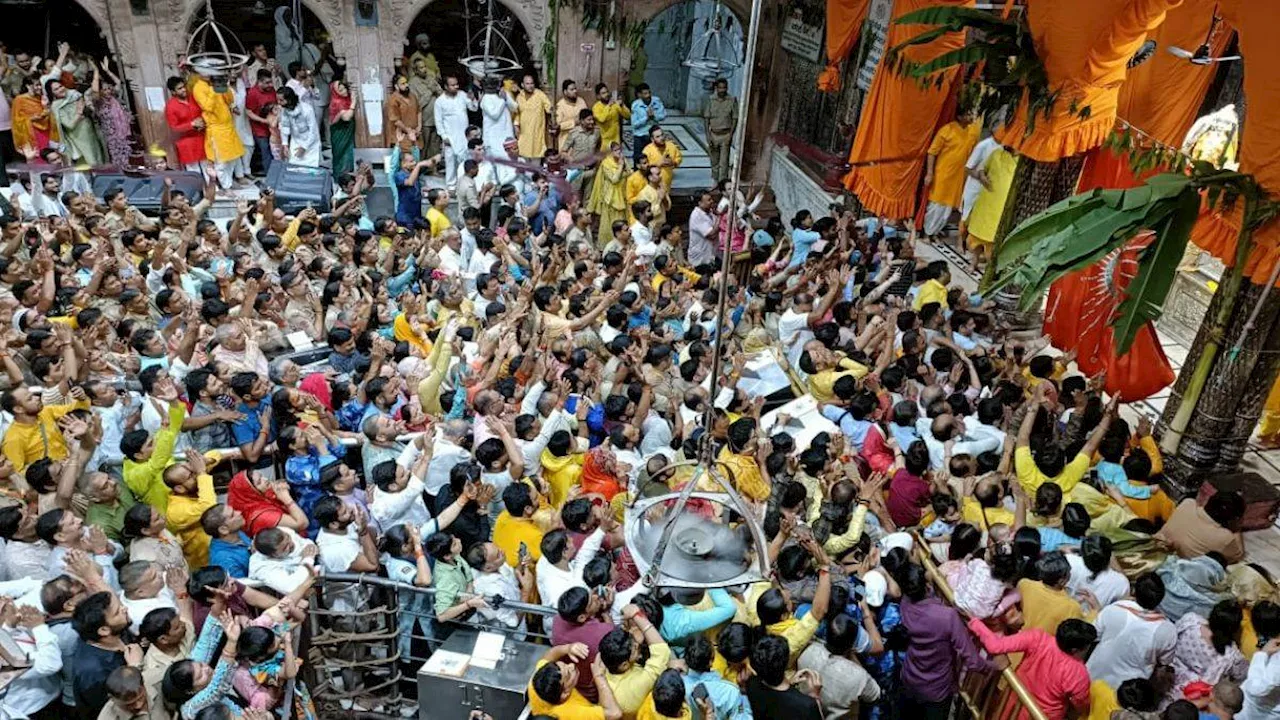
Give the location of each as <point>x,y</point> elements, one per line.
<point>425,85</point>
<point>721,115</point>
<point>579,146</point>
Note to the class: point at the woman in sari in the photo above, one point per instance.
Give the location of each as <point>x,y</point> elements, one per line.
<point>342,127</point>
<point>33,124</point>
<point>264,504</point>
<point>113,119</point>
<point>608,198</point>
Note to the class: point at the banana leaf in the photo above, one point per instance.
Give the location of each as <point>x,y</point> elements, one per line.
<point>967,55</point>
<point>958,17</point>
<point>1157,266</point>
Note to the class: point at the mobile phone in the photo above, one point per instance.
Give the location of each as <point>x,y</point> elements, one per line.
<point>699,692</point>
<point>524,552</point>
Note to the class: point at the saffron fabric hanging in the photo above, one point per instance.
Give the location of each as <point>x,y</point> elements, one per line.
<point>899,119</point>
<point>844,26</point>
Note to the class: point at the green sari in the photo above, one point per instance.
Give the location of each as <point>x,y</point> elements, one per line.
<point>78,134</point>
<point>342,140</point>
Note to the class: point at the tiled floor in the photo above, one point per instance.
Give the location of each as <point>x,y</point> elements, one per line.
<point>1262,546</point>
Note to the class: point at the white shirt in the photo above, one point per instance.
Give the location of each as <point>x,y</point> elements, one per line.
<point>443,460</point>
<point>451,119</point>
<point>1108,586</point>
<point>337,552</point>
<point>450,261</point>
<point>106,561</point>
<point>504,583</point>
<point>496,109</point>
<point>1261,689</point>
<point>47,206</point>
<point>977,160</point>
<point>285,574</point>
<point>1131,642</point>
<point>701,250</point>
<point>397,508</point>
<point>41,684</point>
<point>553,582</point>
<point>24,560</point>
<point>794,332</point>
<point>139,608</point>
<point>152,422</point>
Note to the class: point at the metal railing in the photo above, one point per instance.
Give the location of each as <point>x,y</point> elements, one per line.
<point>986,695</point>
<point>368,635</point>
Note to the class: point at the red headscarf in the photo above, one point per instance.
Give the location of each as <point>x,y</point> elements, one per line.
<point>600,473</point>
<point>317,385</point>
<point>261,511</point>
<point>337,103</point>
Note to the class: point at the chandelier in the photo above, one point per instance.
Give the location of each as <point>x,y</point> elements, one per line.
<point>213,50</point>
<point>714,55</point>
<point>485,48</point>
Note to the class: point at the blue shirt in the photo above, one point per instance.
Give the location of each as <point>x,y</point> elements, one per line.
<point>246,431</point>
<point>1053,538</point>
<point>546,215</point>
<point>802,240</point>
<point>232,557</point>
<point>680,622</point>
<point>408,200</point>
<point>346,364</point>
<point>729,702</point>
<point>644,117</point>
<point>1114,475</point>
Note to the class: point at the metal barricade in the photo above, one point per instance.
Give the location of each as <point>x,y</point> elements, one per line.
<point>986,695</point>
<point>368,635</point>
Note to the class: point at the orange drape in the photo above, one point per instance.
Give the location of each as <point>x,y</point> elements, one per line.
<point>844,25</point>
<point>1084,45</point>
<point>1259,140</point>
<point>1081,305</point>
<point>1162,95</point>
<point>898,121</point>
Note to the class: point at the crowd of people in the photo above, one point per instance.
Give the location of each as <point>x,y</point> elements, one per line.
<point>507,370</point>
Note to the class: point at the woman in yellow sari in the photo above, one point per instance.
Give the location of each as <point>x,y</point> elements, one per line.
<point>32,122</point>
<point>607,197</point>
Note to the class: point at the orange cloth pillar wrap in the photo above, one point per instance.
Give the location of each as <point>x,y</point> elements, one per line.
<point>1162,95</point>
<point>844,25</point>
<point>899,119</point>
<point>1217,230</point>
<point>1081,305</point>
<point>1084,45</point>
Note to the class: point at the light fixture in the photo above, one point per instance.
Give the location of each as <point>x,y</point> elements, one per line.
<point>707,58</point>
<point>214,51</point>
<point>676,546</point>
<point>484,49</point>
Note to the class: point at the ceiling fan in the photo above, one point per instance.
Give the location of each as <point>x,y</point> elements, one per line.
<point>1202,56</point>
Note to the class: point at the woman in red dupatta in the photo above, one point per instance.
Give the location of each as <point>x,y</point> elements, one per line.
<point>264,504</point>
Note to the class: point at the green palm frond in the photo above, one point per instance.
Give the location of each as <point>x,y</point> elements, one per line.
<point>1157,267</point>
<point>957,18</point>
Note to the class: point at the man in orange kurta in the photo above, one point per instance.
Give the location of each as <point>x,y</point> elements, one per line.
<point>945,172</point>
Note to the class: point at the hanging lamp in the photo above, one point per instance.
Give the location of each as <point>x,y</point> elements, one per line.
<point>485,49</point>
<point>714,55</point>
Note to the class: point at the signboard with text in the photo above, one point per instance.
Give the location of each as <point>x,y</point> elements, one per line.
<point>875,33</point>
<point>800,38</point>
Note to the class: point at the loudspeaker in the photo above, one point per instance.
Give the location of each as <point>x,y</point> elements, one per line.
<point>144,191</point>
<point>297,186</point>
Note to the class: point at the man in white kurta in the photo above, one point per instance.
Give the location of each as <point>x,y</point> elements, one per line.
<point>451,122</point>
<point>496,107</point>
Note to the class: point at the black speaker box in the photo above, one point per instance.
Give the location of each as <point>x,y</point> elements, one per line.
<point>297,186</point>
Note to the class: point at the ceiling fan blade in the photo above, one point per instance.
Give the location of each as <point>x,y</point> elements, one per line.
<point>1184,54</point>
<point>1227,58</point>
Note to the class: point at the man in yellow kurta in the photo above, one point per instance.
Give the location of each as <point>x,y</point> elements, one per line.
<point>531,119</point>
<point>609,112</point>
<point>191,493</point>
<point>664,154</point>
<point>944,170</point>
<point>568,107</point>
<point>637,181</point>
<point>221,141</point>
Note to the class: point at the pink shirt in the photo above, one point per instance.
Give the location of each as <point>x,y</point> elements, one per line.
<point>1055,679</point>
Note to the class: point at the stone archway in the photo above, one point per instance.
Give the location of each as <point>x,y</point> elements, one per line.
<point>532,14</point>
<point>683,29</point>
<point>329,15</point>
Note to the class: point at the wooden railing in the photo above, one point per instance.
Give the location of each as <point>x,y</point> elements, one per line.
<point>987,695</point>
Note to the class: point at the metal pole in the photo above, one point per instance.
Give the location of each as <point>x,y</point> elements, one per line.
<point>735,175</point>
